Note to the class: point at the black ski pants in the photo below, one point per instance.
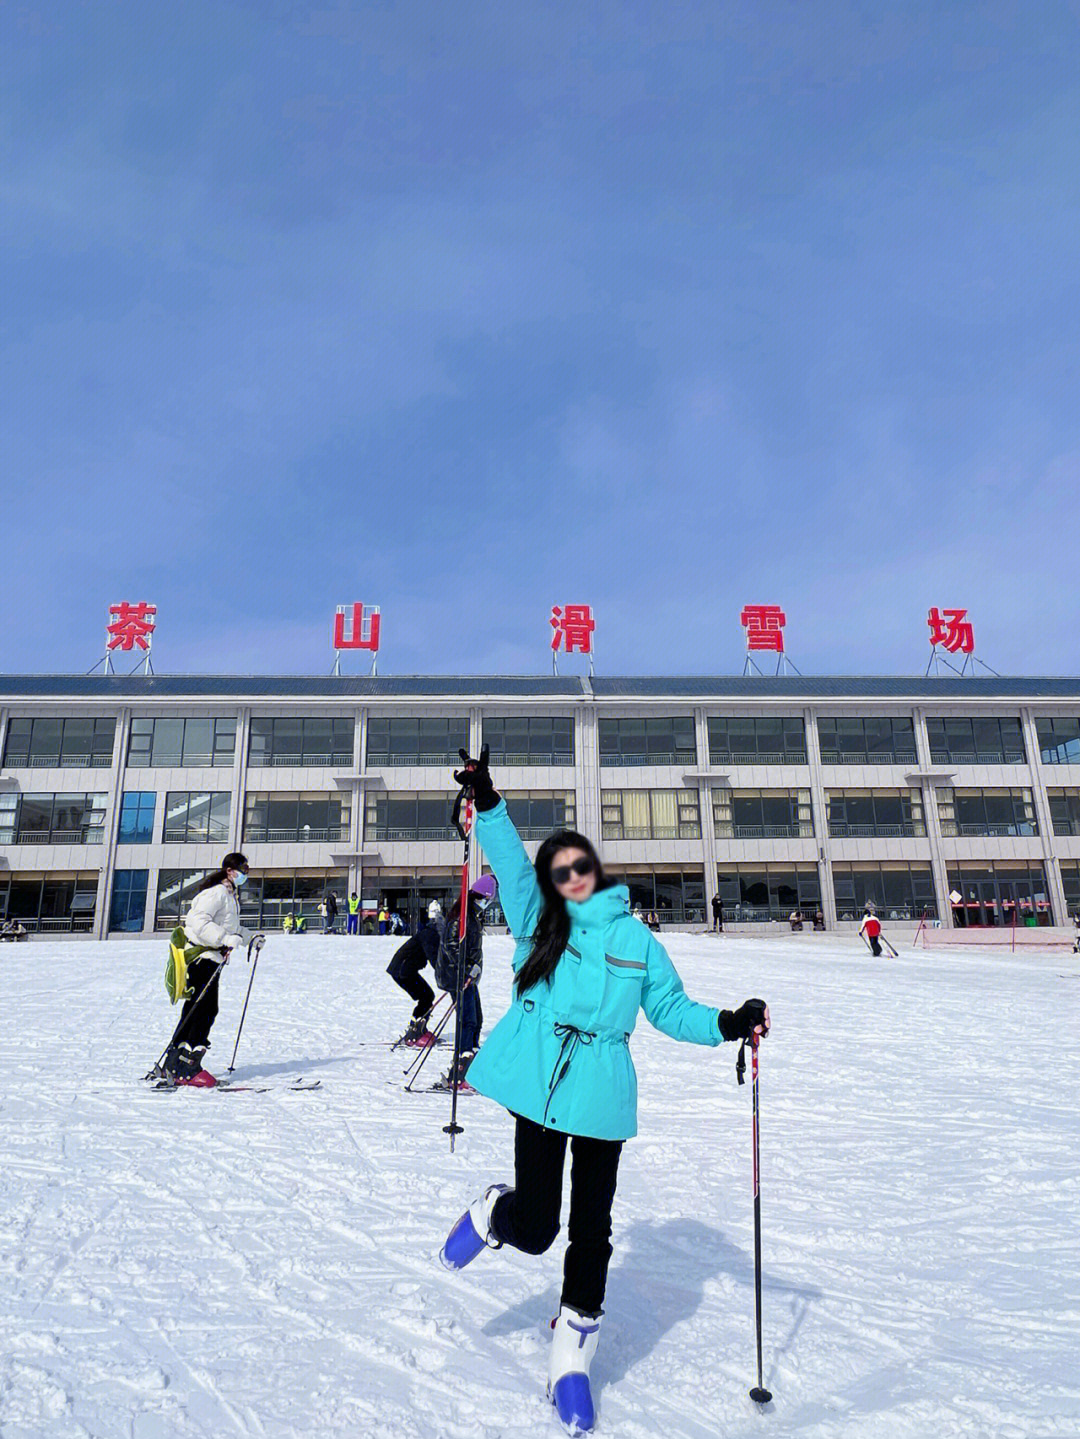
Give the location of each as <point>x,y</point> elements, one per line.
<point>198,1015</point>
<point>527,1218</point>
<point>875,945</point>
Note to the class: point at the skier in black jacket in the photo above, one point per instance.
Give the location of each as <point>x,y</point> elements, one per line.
<point>404,969</point>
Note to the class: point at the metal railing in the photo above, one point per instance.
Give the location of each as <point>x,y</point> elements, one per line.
<point>746,757</point>
<point>329,834</point>
<point>55,761</point>
<point>417,761</point>
<point>900,756</point>
<point>525,760</point>
<point>93,835</point>
<point>178,761</point>
<point>637,761</point>
<point>306,760</point>
<point>982,756</point>
<point>653,831</point>
<point>395,836</point>
<point>1019,829</point>
<point>764,831</point>
<point>841,829</point>
<point>187,836</point>
<point>68,924</point>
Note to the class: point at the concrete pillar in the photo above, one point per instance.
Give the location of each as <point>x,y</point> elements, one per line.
<point>708,829</point>
<point>112,824</point>
<point>938,865</point>
<point>821,817</point>
<point>1058,906</point>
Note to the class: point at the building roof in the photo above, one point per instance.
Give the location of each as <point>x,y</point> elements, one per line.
<point>689,687</point>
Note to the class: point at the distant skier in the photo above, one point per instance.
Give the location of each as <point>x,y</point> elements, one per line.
<point>871,928</point>
<point>212,923</point>
<point>404,969</point>
<point>718,914</point>
<point>559,1061</point>
<point>446,971</point>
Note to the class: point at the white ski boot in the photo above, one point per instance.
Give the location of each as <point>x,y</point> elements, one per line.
<point>572,1348</point>
<point>472,1232</point>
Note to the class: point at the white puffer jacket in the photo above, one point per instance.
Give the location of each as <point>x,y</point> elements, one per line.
<point>214,919</point>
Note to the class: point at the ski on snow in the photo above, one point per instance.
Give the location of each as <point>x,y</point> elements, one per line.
<point>226,1086</point>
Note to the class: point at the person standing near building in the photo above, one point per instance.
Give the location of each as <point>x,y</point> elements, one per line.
<point>559,1061</point>
<point>717,914</point>
<point>870,929</point>
<point>330,911</point>
<point>352,924</point>
<point>212,926</point>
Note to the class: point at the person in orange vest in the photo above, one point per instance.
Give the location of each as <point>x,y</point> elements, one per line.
<point>871,930</point>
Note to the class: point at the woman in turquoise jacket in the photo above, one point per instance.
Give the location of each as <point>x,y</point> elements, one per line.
<point>559,1061</point>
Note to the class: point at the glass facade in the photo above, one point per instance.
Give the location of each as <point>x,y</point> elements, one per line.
<point>53,903</point>
<point>309,818</point>
<point>986,812</point>
<point>875,813</point>
<point>180,743</point>
<point>1065,810</point>
<point>768,891</point>
<point>127,912</point>
<point>999,893</point>
<point>898,889</point>
<point>538,814</point>
<point>989,740</point>
<point>878,739</point>
<point>1059,740</point>
<point>266,899</point>
<point>1070,880</point>
<point>415,741</point>
<point>529,740</point>
<point>176,888</point>
<point>774,739</point>
<point>136,817</point>
<point>298,742</point>
<point>674,896</point>
<point>666,740</point>
<point>59,743</point>
<point>762,814</point>
<point>196,817</point>
<point>651,814</point>
<point>52,818</point>
<point>397,817</point>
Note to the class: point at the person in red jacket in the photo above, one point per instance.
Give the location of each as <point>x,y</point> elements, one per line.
<point>871,929</point>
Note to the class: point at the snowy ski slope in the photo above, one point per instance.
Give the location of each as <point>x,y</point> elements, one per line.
<point>263,1265</point>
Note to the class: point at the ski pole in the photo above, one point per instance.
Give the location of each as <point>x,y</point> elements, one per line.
<point>399,1042</point>
<point>156,1070</point>
<point>436,1034</point>
<point>464,827</point>
<point>759,1394</point>
<point>422,1058</point>
<point>889,947</point>
<point>258,941</point>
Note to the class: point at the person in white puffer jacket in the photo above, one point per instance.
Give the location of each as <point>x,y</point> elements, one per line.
<point>212,923</point>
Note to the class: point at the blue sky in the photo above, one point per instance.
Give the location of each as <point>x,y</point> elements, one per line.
<point>471,309</point>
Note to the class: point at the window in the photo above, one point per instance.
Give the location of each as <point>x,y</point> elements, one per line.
<point>55,818</point>
<point>768,891</point>
<point>762,814</point>
<point>674,896</point>
<point>986,740</point>
<point>136,817</point>
<point>742,739</point>
<point>53,903</point>
<point>59,743</point>
<point>986,812</point>
<point>414,741</point>
<point>1059,740</point>
<point>180,743</point>
<point>897,889</point>
<point>999,893</point>
<point>538,814</point>
<point>304,818</point>
<point>1070,879</point>
<point>881,813</point>
<point>400,816</point>
<point>196,816</point>
<point>176,889</point>
<point>266,899</point>
<point>651,814</point>
<point>9,814</point>
<point>669,740</point>
<point>1065,810</point>
<point>527,740</point>
<point>127,912</point>
<point>299,742</point>
<point>875,740</point>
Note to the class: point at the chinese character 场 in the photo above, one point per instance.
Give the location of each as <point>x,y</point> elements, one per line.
<point>132,626</point>
<point>573,626</point>
<point>952,630</point>
<point>362,632</point>
<point>764,626</point>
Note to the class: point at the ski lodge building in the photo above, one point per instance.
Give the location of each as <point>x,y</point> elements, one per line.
<point>956,799</point>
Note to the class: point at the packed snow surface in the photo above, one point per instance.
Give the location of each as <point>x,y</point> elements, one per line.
<point>264,1264</point>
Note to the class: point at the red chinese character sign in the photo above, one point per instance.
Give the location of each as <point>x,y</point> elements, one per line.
<point>951,633</point>
<point>357,627</point>
<point>763,626</point>
<point>573,627</point>
<point>131,627</point>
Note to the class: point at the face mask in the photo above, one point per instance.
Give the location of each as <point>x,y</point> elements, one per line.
<point>239,878</point>
<point>482,904</point>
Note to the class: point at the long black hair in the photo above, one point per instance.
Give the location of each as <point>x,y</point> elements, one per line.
<point>552,932</point>
<point>219,876</point>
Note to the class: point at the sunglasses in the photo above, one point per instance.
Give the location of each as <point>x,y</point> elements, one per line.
<point>562,872</point>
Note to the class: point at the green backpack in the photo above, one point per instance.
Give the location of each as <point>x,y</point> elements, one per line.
<point>181,953</point>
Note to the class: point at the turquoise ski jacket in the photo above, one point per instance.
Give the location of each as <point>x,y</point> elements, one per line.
<point>560,1055</point>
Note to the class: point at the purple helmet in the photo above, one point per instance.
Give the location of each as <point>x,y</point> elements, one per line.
<point>486,887</point>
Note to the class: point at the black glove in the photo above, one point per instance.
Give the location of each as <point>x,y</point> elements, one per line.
<point>476,776</point>
<point>741,1023</point>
